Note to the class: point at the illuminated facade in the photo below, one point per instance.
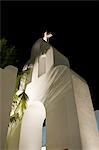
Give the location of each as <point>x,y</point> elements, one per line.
<point>62,97</point>
<point>66,105</point>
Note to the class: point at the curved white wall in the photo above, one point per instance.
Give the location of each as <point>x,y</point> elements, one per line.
<point>31,129</point>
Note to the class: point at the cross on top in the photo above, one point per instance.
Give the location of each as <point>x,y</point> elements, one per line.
<point>47,36</point>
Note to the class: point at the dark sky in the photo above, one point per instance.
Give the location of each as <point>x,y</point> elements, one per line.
<point>74,25</point>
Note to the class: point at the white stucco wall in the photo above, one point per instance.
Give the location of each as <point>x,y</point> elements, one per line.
<point>31,128</point>
<point>70,119</point>
<point>86,116</point>
<point>7,86</point>
<point>58,90</point>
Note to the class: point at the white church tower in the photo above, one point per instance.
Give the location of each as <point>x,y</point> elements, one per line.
<point>62,97</point>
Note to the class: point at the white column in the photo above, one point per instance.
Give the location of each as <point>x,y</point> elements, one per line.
<point>31,129</point>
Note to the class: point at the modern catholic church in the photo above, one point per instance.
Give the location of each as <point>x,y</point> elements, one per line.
<point>61,97</point>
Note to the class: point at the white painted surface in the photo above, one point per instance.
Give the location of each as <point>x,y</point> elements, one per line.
<point>31,129</point>
<point>70,120</point>
<point>42,65</point>
<point>86,116</point>
<point>43,148</point>
<point>58,100</point>
<point>56,89</point>
<point>62,126</point>
<point>7,84</point>
<point>13,136</point>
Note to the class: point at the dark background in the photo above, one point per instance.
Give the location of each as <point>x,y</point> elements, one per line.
<point>74,25</point>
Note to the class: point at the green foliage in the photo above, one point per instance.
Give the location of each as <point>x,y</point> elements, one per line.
<point>24,97</point>
<point>7,54</point>
<point>19,102</point>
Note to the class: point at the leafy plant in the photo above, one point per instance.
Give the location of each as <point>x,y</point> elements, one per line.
<point>7,54</point>
<point>19,102</point>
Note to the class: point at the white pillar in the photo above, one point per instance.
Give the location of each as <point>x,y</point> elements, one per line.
<point>31,129</point>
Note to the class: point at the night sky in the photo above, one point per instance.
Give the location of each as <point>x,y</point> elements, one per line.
<point>74,25</point>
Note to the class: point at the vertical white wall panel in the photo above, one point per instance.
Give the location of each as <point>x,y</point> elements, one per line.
<point>7,86</point>
<point>86,116</point>
<point>62,126</point>
<point>31,128</point>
